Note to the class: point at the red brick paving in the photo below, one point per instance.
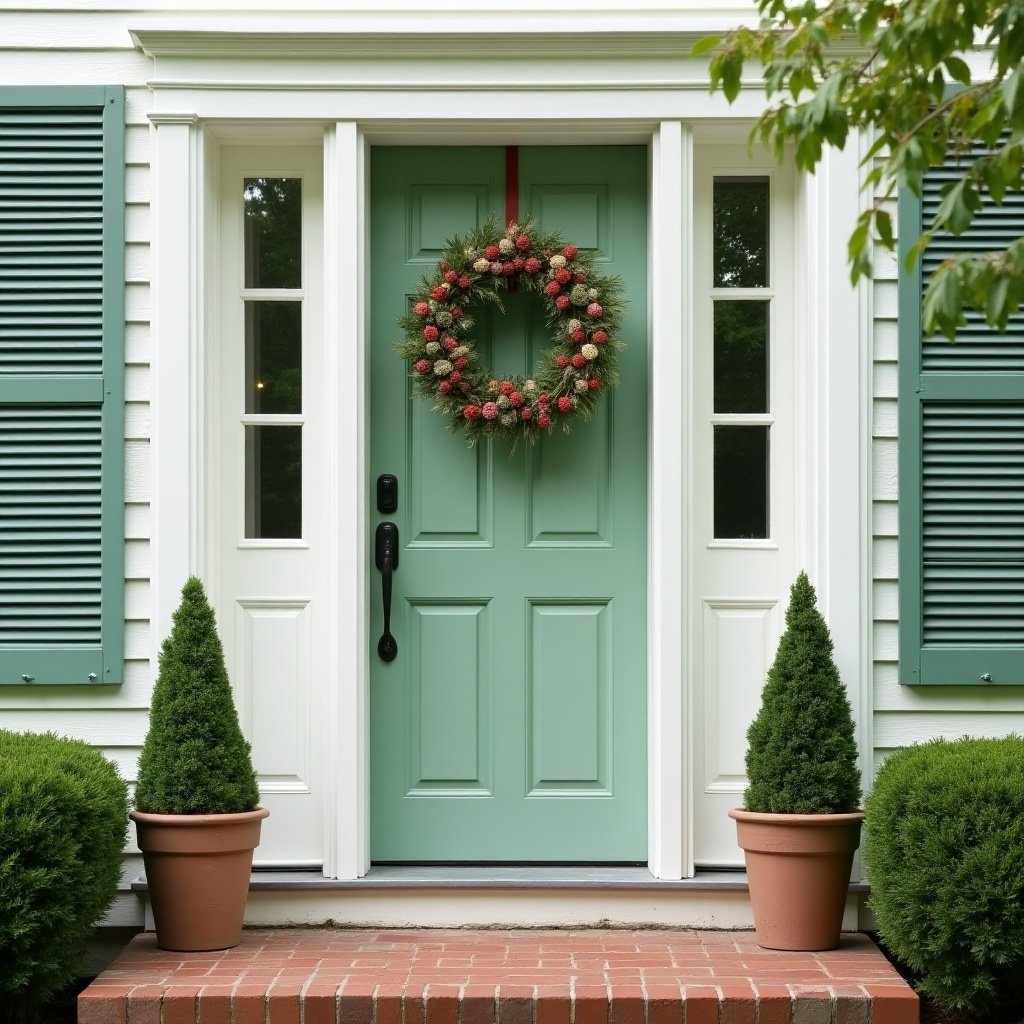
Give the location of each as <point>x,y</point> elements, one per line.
<point>356,976</point>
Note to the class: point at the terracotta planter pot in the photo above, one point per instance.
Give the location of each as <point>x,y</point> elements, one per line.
<point>197,867</point>
<point>798,867</point>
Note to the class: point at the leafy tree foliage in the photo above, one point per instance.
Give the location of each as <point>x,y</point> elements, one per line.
<point>897,67</point>
<point>801,751</point>
<point>195,759</point>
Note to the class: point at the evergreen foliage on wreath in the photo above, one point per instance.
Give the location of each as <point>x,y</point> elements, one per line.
<point>582,310</point>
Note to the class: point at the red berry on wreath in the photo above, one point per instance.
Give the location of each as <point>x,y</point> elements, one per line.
<point>578,361</point>
<point>526,412</point>
<point>563,276</point>
<point>544,421</point>
<point>471,412</point>
<point>508,269</point>
<point>451,276</point>
<point>564,404</point>
<point>449,342</point>
<point>515,399</point>
<point>462,362</point>
<point>497,268</point>
<point>491,252</point>
<point>569,252</point>
<point>600,338</point>
<point>431,333</point>
<point>423,366</point>
<point>563,302</point>
<point>455,376</point>
<point>519,263</point>
<point>593,383</point>
<point>532,265</point>
<point>456,312</point>
<point>523,243</point>
<point>490,411</point>
<point>464,282</point>
<point>421,309</point>
<point>579,277</point>
<point>440,292</point>
<point>594,310</point>
<point>561,362</point>
<point>578,336</point>
<point>543,398</point>
<point>444,387</point>
<point>552,287</point>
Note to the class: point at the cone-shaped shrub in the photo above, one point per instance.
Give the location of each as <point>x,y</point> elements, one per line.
<point>801,750</point>
<point>195,759</point>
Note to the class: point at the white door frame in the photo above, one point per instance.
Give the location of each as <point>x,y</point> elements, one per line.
<point>833,509</point>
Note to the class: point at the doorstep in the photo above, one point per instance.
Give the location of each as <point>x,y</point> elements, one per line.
<point>464,976</point>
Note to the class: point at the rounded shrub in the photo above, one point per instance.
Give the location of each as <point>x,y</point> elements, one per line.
<point>195,759</point>
<point>944,847</point>
<point>801,748</point>
<point>63,820</point>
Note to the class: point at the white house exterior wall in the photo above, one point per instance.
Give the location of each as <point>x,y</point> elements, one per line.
<point>81,42</point>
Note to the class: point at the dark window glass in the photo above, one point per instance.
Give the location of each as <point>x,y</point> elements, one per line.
<point>273,357</point>
<point>273,232</point>
<point>741,356</point>
<point>741,482</point>
<point>273,482</point>
<point>741,232</point>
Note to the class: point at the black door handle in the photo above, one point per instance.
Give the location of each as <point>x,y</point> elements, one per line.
<point>386,556</point>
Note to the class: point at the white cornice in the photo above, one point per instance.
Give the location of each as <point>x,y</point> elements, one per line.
<point>445,36</point>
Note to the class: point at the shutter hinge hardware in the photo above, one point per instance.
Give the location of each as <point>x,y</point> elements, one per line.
<point>986,677</point>
<point>91,677</point>
<point>26,678</point>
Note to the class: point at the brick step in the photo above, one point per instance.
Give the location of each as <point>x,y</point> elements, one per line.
<point>358,976</point>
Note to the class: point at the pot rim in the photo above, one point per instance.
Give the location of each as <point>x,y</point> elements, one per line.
<point>154,818</point>
<point>810,820</point>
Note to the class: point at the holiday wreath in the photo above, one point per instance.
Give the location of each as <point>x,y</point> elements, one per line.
<point>582,311</point>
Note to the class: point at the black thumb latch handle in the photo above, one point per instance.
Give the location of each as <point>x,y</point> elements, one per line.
<point>386,557</point>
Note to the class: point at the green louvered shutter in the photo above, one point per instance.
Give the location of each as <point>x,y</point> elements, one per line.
<point>961,469</point>
<point>61,385</point>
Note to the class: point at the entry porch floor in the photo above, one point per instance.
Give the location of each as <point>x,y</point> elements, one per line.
<point>424,976</point>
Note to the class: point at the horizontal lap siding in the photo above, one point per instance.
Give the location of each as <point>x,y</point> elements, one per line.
<point>909,714</point>
<point>83,47</point>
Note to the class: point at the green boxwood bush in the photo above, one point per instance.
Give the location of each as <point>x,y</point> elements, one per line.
<point>944,847</point>
<point>801,749</point>
<point>63,819</point>
<point>195,759</point>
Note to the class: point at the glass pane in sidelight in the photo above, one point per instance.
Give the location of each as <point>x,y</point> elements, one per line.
<point>273,357</point>
<point>741,482</point>
<point>741,356</point>
<point>273,232</point>
<point>273,482</point>
<point>741,232</point>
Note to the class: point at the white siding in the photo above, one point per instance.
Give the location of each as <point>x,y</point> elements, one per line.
<point>56,48</point>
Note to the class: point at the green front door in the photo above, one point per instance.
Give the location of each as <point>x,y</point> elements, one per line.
<point>511,726</point>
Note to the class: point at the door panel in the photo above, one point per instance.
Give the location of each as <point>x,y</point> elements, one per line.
<point>512,724</point>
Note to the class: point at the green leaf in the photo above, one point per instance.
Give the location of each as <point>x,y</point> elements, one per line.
<point>704,45</point>
<point>958,70</point>
<point>1012,88</point>
<point>997,310</point>
<point>883,225</point>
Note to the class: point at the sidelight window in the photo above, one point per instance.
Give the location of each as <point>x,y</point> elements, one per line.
<point>273,410</point>
<point>742,414</point>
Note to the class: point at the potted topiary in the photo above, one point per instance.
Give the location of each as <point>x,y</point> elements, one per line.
<point>196,796</point>
<point>800,823</point>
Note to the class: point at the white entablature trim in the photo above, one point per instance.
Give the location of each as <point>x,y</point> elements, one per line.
<point>552,33</point>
